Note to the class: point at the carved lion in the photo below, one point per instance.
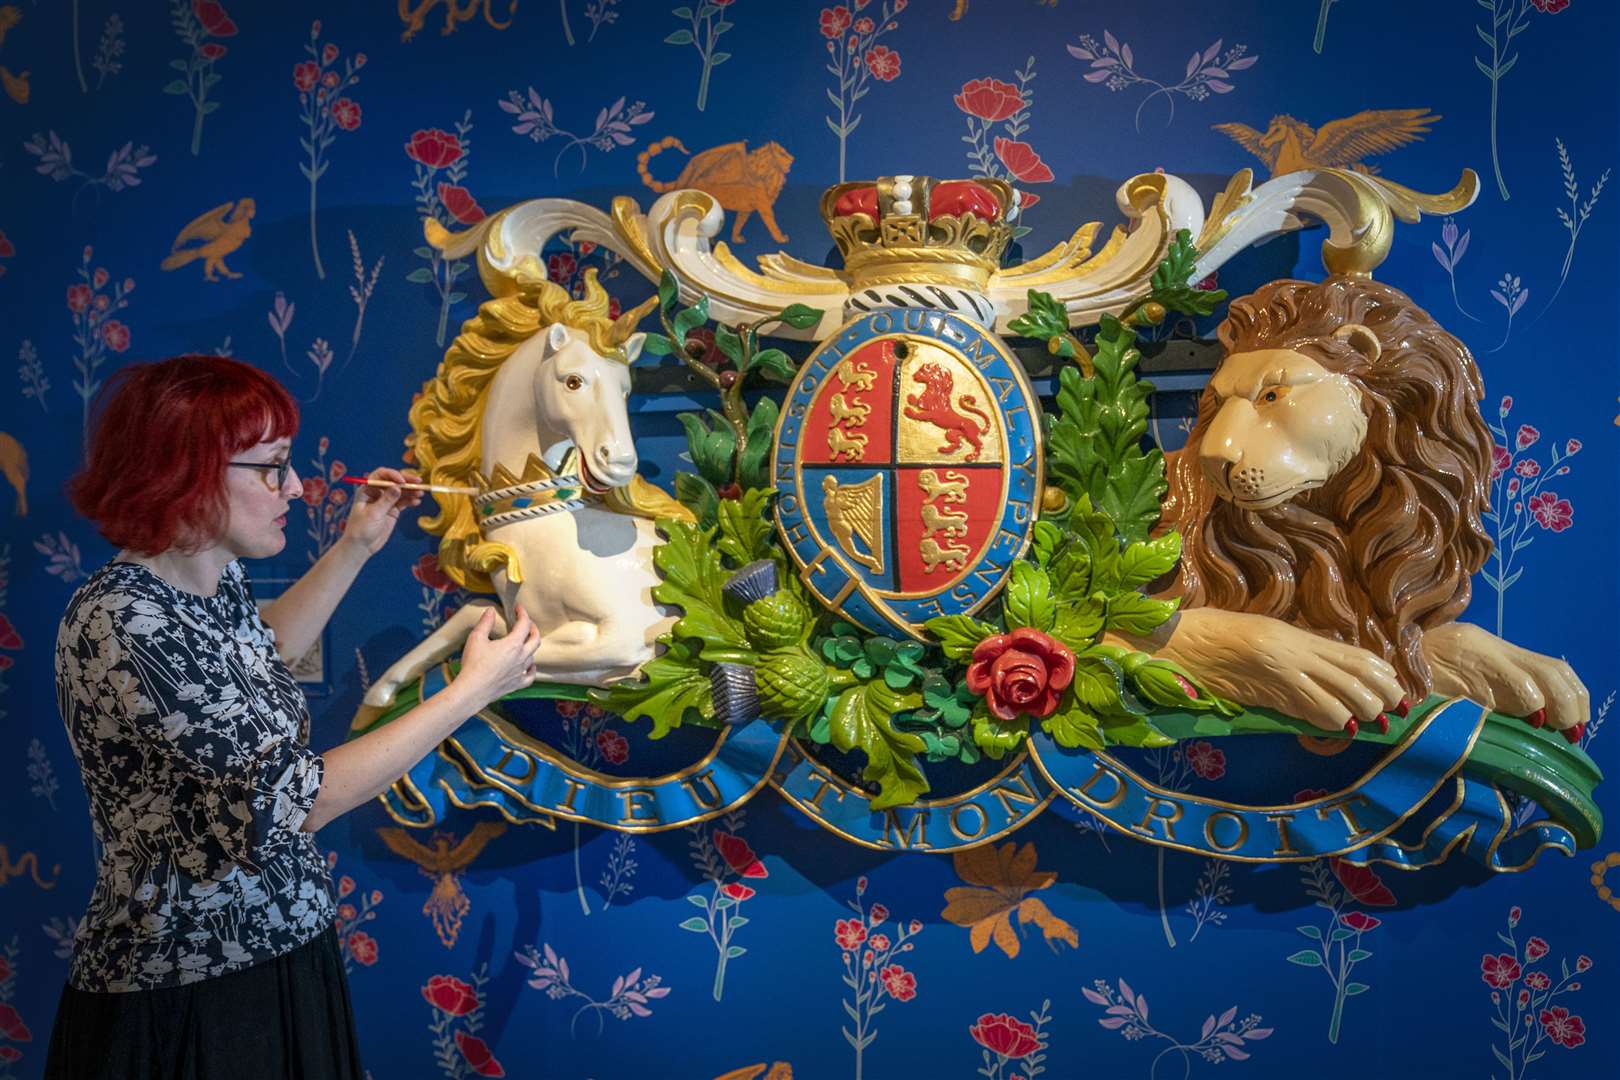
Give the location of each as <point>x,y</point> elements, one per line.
<point>1329,502</point>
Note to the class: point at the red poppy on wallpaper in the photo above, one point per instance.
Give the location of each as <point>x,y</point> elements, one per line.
<point>213,18</point>
<point>478,1055</point>
<point>615,748</point>
<point>460,204</point>
<point>1363,883</point>
<point>12,1026</point>
<point>1005,1035</point>
<point>834,21</point>
<point>346,112</point>
<point>435,148</point>
<point>426,570</point>
<point>363,947</point>
<point>989,99</point>
<point>305,75</point>
<point>1022,160</point>
<point>739,856</point>
<point>212,51</point>
<point>450,995</point>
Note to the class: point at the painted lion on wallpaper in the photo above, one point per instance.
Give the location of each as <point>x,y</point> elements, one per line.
<point>1329,501</point>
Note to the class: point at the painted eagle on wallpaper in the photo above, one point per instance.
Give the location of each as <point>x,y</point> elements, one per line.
<point>1289,145</point>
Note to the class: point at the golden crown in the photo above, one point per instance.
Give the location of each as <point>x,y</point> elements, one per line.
<point>902,230</point>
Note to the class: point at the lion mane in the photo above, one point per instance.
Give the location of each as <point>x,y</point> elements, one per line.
<point>1384,550</point>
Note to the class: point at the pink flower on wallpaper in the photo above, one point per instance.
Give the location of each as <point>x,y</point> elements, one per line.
<point>1551,512</point>
<point>1500,460</point>
<point>78,298</point>
<point>900,983</point>
<point>211,51</point>
<point>1549,7</point>
<point>363,947</point>
<point>12,1026</point>
<point>1565,1030</point>
<point>737,891</point>
<point>305,75</point>
<point>1538,980</point>
<point>849,933</point>
<point>1363,883</point>
<point>615,748</point>
<point>878,915</point>
<point>1583,963</point>
<point>346,112</point>
<point>834,21</point>
<point>1528,468</point>
<point>1527,436</point>
<point>1500,971</point>
<point>116,335</point>
<point>1535,949</point>
<point>1570,448</point>
<point>1207,761</point>
<point>878,943</point>
<point>883,62</point>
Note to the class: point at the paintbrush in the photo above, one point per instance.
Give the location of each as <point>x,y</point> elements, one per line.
<point>442,488</point>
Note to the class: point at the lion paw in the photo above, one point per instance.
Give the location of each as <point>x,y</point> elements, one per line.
<point>1469,661</point>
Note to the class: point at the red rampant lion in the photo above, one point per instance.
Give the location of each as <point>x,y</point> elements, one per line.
<point>933,405</point>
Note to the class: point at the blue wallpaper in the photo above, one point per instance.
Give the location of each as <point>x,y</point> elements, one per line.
<point>290,150</point>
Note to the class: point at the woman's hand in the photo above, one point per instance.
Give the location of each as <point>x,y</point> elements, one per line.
<point>376,509</point>
<point>493,668</point>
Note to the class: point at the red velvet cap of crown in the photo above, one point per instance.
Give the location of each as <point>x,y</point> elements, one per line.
<point>949,198</point>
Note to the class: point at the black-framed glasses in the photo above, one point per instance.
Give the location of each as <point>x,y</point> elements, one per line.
<point>280,469</point>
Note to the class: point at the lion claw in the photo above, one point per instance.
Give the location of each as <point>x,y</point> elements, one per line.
<point>1383,724</point>
<point>1537,718</point>
<point>1350,727</point>
<point>1403,708</point>
<point>1573,734</point>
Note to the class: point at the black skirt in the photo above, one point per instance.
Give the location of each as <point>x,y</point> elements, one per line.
<point>285,1019</point>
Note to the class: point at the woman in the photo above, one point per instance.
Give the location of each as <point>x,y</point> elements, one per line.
<point>208,948</point>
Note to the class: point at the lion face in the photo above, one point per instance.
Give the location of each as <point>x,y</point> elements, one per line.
<point>1284,425</point>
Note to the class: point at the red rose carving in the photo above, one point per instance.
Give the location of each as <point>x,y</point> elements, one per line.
<point>461,205</point>
<point>450,995</point>
<point>478,1055</point>
<point>989,99</point>
<point>304,76</point>
<point>1025,671</point>
<point>1022,160</point>
<point>1006,1035</point>
<point>213,18</point>
<point>434,148</point>
<point>347,114</point>
<point>739,856</point>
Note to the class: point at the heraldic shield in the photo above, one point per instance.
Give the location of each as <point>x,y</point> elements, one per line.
<point>909,462</point>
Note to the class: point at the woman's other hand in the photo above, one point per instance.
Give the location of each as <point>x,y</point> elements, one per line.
<point>376,509</point>
<point>494,667</point>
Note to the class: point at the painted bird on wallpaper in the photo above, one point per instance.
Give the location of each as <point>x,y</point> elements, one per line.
<point>743,181</point>
<point>446,905</point>
<point>222,230</point>
<point>14,465</point>
<point>16,86</point>
<point>454,14</point>
<point>1289,145</point>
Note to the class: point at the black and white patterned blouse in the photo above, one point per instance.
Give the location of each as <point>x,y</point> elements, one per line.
<point>192,739</point>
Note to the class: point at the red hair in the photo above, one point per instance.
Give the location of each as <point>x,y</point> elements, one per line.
<point>154,473</point>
